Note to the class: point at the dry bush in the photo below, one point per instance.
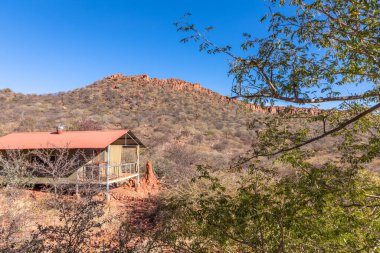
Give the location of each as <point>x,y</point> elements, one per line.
<point>15,168</point>
<point>16,218</point>
<point>86,124</point>
<point>177,163</point>
<point>56,163</point>
<point>78,230</point>
<point>220,146</point>
<point>78,222</point>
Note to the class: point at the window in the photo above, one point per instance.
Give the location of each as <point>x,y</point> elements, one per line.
<point>128,155</point>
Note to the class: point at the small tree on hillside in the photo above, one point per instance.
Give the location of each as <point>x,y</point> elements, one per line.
<point>86,124</point>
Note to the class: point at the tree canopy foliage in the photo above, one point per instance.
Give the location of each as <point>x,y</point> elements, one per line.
<point>308,54</point>
<point>327,201</point>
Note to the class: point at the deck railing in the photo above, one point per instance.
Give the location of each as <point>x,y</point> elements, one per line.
<point>98,172</point>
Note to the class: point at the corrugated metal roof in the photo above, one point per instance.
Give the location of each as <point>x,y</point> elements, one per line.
<point>66,139</point>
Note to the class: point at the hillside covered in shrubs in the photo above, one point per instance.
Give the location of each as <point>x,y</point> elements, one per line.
<point>180,125</point>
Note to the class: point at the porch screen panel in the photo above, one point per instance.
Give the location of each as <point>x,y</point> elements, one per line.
<point>115,154</point>
<point>128,155</point>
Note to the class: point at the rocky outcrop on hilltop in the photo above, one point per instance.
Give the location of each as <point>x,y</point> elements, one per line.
<point>178,84</point>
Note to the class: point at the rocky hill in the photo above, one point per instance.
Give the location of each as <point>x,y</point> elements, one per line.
<point>181,123</point>
<point>178,84</point>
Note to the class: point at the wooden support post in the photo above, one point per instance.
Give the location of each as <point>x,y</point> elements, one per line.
<point>77,186</point>
<point>108,175</point>
<point>138,164</point>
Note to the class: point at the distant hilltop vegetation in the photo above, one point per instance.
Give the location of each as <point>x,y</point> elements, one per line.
<point>178,84</point>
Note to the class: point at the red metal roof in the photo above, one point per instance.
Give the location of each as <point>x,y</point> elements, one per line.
<point>69,139</point>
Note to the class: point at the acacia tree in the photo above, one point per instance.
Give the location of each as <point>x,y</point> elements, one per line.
<point>321,205</point>
<point>308,57</point>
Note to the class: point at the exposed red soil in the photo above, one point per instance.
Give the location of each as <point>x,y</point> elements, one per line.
<point>137,202</point>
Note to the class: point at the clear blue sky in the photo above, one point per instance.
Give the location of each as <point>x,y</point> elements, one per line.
<point>57,45</point>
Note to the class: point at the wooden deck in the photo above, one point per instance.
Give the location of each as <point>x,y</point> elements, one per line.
<point>99,172</point>
<point>89,174</point>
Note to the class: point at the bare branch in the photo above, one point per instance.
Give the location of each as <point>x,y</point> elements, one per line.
<point>311,100</point>
<point>334,130</point>
<point>314,139</point>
